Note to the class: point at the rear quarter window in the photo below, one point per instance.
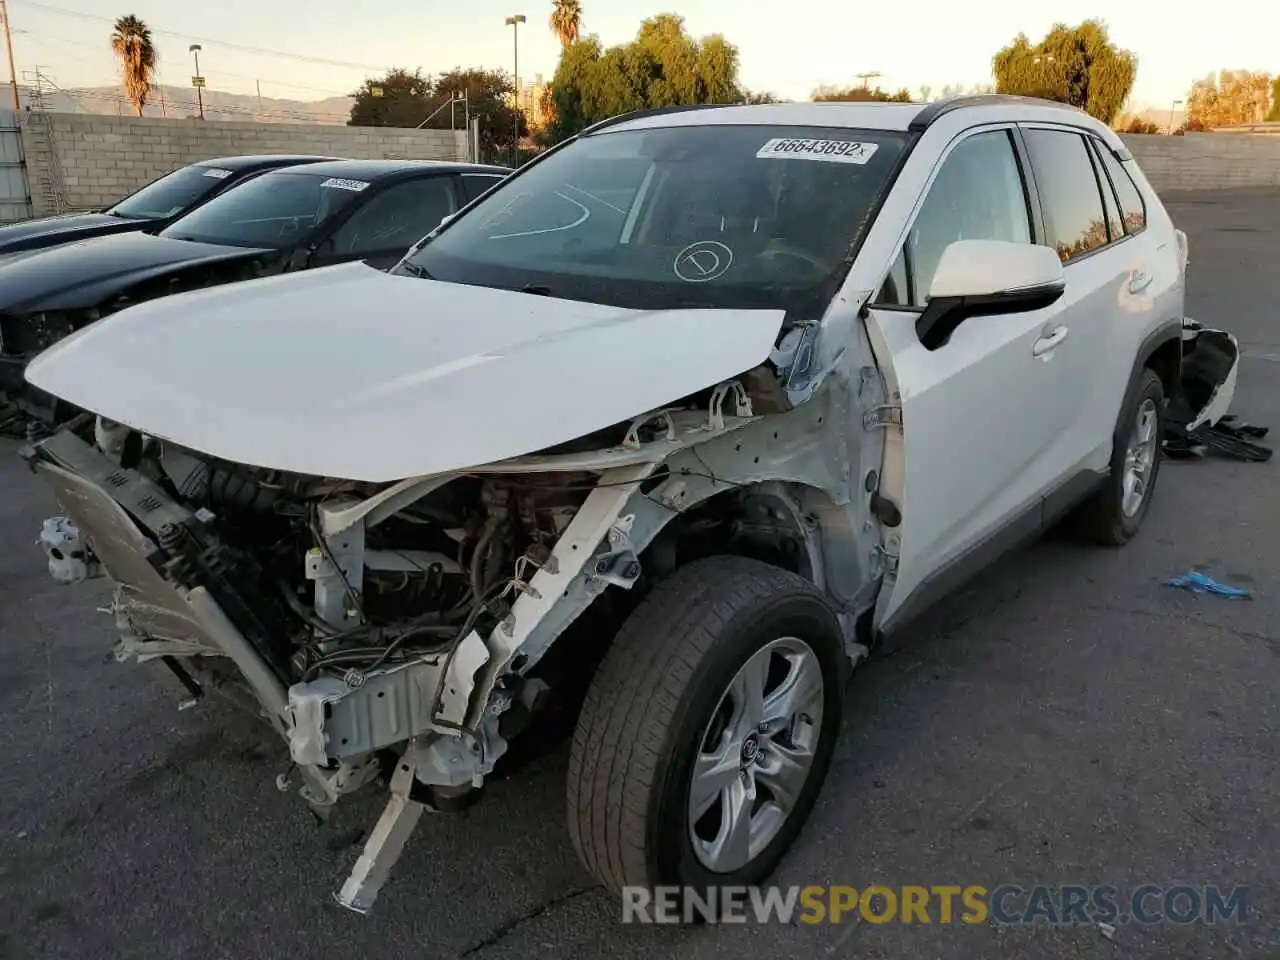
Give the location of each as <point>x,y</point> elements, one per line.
<point>1132,208</point>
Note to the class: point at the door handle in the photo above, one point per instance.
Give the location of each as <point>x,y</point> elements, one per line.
<point>1047,343</point>
<point>1140,280</point>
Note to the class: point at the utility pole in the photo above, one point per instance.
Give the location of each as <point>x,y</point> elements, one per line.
<point>8,46</point>
<point>259,83</point>
<point>198,81</point>
<point>514,23</point>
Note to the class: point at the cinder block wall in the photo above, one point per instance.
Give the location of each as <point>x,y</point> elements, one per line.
<point>1207,161</point>
<point>94,161</point>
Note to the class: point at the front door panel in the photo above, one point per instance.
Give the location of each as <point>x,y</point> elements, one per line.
<point>983,415</point>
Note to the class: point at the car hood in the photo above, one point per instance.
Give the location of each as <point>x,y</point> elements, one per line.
<point>47,231</point>
<point>353,373</point>
<point>15,255</point>
<point>77,275</point>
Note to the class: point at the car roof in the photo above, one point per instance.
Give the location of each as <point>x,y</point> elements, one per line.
<point>254,161</point>
<point>864,115</point>
<point>372,170</point>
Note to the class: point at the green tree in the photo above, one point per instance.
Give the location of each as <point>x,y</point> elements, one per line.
<point>566,21</point>
<point>131,42</point>
<point>488,97</point>
<point>860,95</point>
<point>1274,115</point>
<point>662,67</point>
<point>400,99</point>
<point>404,99</point>
<point>1076,65</point>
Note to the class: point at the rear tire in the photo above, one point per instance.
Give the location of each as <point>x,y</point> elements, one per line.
<point>1112,515</point>
<point>673,698</point>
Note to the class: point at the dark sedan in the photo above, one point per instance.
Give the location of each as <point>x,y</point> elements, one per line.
<point>152,208</point>
<point>290,219</point>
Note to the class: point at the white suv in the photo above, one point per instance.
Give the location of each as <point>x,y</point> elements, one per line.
<point>660,435</point>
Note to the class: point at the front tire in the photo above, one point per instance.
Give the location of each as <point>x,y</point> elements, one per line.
<point>1112,516</point>
<point>708,730</point>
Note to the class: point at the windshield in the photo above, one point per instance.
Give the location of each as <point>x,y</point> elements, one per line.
<point>274,210</point>
<point>171,194</point>
<point>714,216</point>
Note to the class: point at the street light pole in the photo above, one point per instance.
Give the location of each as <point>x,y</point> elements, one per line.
<point>198,81</point>
<point>514,23</point>
<point>1176,104</point>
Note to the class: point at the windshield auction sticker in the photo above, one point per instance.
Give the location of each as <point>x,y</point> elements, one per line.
<point>217,173</point>
<point>337,183</point>
<point>830,151</point>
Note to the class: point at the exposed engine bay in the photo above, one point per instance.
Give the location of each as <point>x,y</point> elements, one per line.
<point>422,579</point>
<point>321,599</point>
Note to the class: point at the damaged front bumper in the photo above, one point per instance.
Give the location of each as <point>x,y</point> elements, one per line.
<point>436,717</point>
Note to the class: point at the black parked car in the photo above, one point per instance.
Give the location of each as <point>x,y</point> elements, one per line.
<point>290,219</point>
<point>151,208</point>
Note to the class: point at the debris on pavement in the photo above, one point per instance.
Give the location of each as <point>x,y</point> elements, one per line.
<point>1197,582</point>
<point>1196,418</point>
<point>1107,930</point>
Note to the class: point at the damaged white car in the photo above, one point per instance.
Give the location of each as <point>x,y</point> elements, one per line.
<point>661,436</point>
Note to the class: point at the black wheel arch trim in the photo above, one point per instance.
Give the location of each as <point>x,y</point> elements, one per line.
<point>1161,336</point>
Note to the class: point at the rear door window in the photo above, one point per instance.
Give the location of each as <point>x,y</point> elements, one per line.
<point>1075,218</point>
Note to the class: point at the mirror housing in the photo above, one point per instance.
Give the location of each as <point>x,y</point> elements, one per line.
<point>980,278</point>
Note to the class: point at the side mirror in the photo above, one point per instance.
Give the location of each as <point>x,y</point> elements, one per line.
<point>979,278</point>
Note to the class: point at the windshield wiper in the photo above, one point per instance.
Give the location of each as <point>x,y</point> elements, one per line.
<point>413,270</point>
<point>536,290</point>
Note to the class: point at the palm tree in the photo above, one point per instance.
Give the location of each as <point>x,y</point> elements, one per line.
<point>566,20</point>
<point>131,42</point>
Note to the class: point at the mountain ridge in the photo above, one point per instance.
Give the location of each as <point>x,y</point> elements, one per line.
<point>178,102</point>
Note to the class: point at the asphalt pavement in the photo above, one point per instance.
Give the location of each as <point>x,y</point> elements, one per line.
<point>1065,720</point>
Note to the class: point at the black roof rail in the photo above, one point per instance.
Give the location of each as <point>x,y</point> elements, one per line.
<point>651,112</point>
<point>940,108</point>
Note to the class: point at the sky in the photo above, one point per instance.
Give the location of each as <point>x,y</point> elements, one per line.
<point>310,49</point>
